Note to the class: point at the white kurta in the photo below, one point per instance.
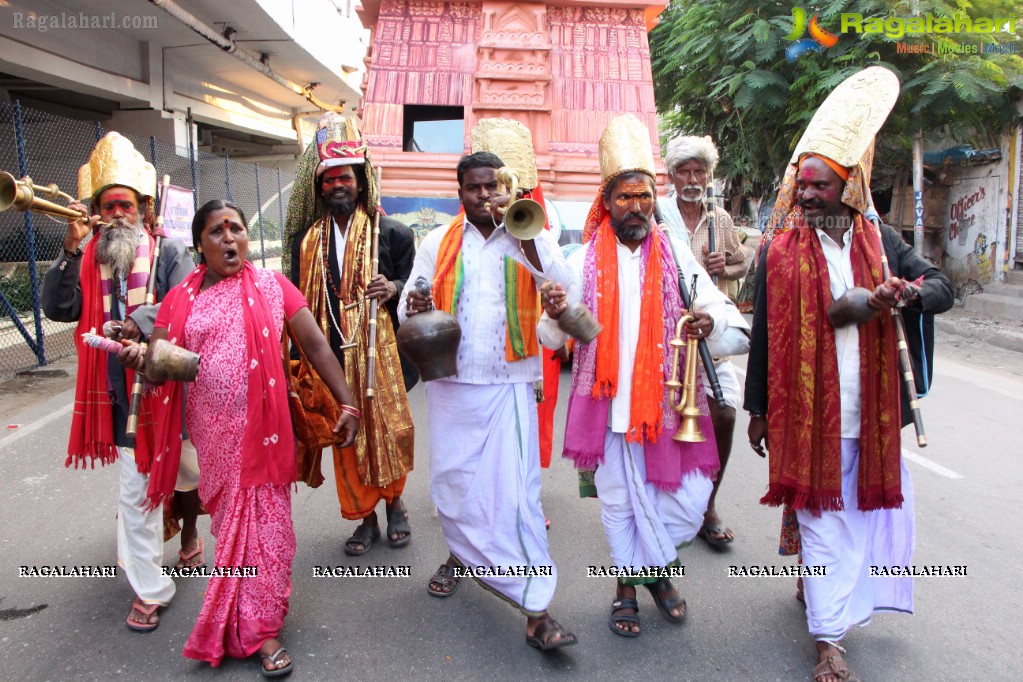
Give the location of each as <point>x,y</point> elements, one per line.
<point>484,444</point>
<point>849,542</point>
<point>644,526</point>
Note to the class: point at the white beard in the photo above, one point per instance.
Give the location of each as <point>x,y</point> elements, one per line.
<point>117,245</point>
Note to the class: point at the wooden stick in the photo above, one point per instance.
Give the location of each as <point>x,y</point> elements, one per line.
<point>905,363</point>
<point>136,388</point>
<point>371,352</point>
<point>711,236</point>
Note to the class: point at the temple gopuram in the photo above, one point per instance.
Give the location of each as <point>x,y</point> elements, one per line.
<point>563,69</point>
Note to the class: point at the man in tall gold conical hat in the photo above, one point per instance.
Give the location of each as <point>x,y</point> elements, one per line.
<point>825,394</point>
<point>328,256</point>
<point>653,489</point>
<point>105,284</point>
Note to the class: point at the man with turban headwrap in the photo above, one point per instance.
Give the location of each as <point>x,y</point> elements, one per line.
<point>827,397</point>
<point>653,489</point>
<point>328,256</point>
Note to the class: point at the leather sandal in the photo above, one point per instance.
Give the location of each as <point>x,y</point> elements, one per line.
<point>366,534</point>
<point>666,603</point>
<point>397,522</point>
<point>550,635</point>
<point>628,619</point>
<point>445,577</point>
<point>835,666</point>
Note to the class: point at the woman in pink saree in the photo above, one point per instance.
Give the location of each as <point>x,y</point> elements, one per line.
<point>232,314</point>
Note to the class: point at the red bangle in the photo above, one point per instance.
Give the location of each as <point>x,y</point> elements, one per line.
<point>354,411</point>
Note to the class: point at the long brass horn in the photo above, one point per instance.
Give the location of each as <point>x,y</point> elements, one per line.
<point>523,218</point>
<point>689,430</point>
<point>21,196</point>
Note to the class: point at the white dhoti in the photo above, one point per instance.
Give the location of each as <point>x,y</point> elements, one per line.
<point>731,389</point>
<point>485,482</point>
<point>645,526</point>
<point>140,536</point>
<point>848,543</point>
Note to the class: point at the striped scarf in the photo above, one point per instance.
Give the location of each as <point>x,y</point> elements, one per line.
<point>92,424</point>
<point>522,301</point>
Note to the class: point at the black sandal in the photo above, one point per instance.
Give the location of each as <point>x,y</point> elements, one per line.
<point>546,636</point>
<point>397,522</point>
<point>445,577</point>
<point>626,618</point>
<point>666,604</point>
<point>366,534</point>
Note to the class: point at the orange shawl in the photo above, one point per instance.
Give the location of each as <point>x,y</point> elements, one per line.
<point>522,301</point>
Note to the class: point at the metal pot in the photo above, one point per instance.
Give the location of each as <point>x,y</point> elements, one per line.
<point>851,308</point>
<point>578,322</point>
<point>167,362</point>
<point>430,340</point>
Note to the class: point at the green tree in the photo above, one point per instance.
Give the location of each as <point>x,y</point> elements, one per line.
<point>720,69</point>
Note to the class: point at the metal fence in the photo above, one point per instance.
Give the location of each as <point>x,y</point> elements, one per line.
<point>50,149</point>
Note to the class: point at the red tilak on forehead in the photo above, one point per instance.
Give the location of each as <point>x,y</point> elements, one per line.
<point>634,187</point>
<point>807,173</point>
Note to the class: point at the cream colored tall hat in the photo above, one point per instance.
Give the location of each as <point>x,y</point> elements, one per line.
<point>512,143</point>
<point>115,161</point>
<point>624,148</point>
<point>847,121</point>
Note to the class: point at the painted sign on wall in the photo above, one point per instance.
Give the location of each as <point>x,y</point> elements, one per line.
<point>971,225</point>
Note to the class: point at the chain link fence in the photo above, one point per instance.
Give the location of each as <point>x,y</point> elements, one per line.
<point>50,149</point>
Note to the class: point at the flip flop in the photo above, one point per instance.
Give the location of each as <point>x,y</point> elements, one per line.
<point>185,558</point>
<point>365,535</point>
<point>397,522</point>
<point>666,604</point>
<point>540,640</point>
<point>627,618</point>
<point>147,610</point>
<point>276,672</point>
<point>445,577</point>
<point>709,530</point>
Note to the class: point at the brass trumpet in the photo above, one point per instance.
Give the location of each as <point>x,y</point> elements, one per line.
<point>21,196</point>
<point>689,430</point>
<point>523,218</point>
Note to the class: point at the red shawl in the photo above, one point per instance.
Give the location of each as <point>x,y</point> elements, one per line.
<point>92,423</point>
<point>804,416</point>
<point>268,446</point>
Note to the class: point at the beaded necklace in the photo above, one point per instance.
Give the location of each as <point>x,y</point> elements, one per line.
<point>328,282</point>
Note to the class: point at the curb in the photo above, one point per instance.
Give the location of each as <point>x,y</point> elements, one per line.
<point>1001,339</point>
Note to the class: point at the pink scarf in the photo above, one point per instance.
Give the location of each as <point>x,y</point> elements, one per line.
<point>667,461</point>
<point>268,446</point>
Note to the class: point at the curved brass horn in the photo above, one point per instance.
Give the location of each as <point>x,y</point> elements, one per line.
<point>689,429</point>
<point>523,218</point>
<point>21,196</point>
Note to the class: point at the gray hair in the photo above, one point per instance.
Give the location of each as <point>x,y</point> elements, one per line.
<point>689,148</point>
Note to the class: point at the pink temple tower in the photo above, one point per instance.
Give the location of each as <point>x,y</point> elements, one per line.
<point>563,68</point>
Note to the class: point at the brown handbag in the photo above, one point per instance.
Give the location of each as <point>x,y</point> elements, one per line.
<point>314,413</point>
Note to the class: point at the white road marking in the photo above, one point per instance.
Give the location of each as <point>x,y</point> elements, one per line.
<point>32,428</point>
<point>917,458</point>
<point>911,456</point>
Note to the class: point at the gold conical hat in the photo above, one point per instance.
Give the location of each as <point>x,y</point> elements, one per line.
<point>847,121</point>
<point>115,161</point>
<point>512,143</point>
<point>625,147</point>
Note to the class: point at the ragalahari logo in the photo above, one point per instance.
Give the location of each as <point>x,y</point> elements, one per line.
<point>818,41</point>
